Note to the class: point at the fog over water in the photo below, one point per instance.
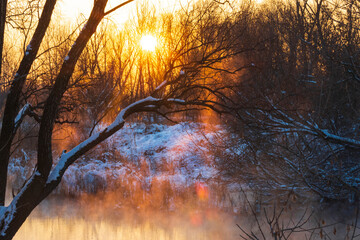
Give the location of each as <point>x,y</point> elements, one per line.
<point>95,218</point>
<point>137,190</point>
<point>69,219</point>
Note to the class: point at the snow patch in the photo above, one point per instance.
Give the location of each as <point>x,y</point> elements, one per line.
<point>161,85</point>
<point>21,113</point>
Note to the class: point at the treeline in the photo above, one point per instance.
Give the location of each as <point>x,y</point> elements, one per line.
<point>287,72</point>
<point>297,105</point>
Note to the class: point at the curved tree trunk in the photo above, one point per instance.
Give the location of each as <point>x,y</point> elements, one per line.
<point>13,99</point>
<point>36,189</point>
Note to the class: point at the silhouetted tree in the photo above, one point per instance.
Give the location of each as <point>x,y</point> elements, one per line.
<point>204,42</point>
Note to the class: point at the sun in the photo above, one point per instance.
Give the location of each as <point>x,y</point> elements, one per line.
<point>148,43</point>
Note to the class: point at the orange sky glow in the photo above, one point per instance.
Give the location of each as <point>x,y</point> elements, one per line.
<point>71,9</point>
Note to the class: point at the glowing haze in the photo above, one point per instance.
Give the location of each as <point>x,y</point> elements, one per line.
<point>71,9</point>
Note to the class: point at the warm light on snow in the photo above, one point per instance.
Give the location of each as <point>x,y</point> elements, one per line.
<point>148,43</point>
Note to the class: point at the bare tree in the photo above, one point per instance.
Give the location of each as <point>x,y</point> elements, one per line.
<point>35,190</point>
<point>298,103</point>
<point>185,84</point>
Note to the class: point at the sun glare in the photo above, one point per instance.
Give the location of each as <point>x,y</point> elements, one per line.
<point>148,43</point>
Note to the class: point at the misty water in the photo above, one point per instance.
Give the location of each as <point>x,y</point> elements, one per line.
<point>79,227</point>
<point>67,218</point>
<point>173,193</point>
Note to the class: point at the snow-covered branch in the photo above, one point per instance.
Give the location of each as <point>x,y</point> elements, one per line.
<point>161,85</point>
<point>67,158</point>
<point>277,122</point>
<point>21,115</point>
<point>337,139</point>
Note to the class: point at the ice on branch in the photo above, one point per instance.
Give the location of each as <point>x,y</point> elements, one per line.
<point>66,157</point>
<point>161,85</point>
<point>21,114</point>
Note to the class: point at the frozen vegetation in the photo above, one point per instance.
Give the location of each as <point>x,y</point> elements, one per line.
<point>174,168</point>
<point>175,161</point>
<point>144,152</point>
<point>139,157</point>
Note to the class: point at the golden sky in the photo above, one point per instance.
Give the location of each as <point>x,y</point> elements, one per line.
<point>72,8</point>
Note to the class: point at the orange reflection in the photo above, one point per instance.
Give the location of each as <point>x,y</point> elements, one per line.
<point>196,219</point>
<point>202,191</point>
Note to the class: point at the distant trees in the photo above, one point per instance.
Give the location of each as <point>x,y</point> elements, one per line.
<point>298,103</point>
<point>288,72</point>
<point>99,74</point>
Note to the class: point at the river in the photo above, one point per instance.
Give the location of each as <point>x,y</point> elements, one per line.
<point>68,218</point>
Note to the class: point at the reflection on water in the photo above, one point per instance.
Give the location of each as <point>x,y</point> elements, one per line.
<point>86,219</point>
<point>78,228</point>
<point>52,223</point>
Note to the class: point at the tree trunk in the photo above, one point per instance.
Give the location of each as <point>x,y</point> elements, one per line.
<point>3,5</point>
<point>36,189</point>
<point>3,167</point>
<point>13,99</point>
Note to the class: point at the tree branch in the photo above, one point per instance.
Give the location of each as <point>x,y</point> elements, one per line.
<point>70,157</point>
<point>117,7</point>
